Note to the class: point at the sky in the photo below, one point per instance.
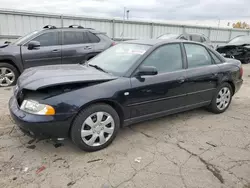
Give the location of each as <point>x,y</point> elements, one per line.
<point>195,12</point>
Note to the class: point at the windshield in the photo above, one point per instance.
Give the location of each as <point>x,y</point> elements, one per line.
<point>169,36</point>
<point>240,40</point>
<point>22,39</point>
<point>119,58</point>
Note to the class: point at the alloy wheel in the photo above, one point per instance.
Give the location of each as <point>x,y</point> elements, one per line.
<point>223,98</point>
<point>97,129</point>
<point>7,76</point>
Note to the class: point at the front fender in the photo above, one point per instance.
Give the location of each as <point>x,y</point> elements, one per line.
<point>15,60</point>
<point>110,92</point>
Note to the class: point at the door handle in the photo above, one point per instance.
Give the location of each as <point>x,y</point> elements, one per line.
<point>88,47</point>
<point>181,80</point>
<point>55,50</point>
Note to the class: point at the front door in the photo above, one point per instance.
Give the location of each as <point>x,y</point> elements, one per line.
<point>202,74</point>
<point>47,54</point>
<point>161,93</point>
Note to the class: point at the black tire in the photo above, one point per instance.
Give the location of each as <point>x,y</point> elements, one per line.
<point>213,105</point>
<point>246,59</point>
<point>13,69</point>
<point>82,116</point>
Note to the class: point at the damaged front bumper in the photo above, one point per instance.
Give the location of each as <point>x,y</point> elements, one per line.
<point>38,125</point>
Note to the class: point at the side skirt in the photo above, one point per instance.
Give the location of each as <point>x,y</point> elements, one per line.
<point>164,113</point>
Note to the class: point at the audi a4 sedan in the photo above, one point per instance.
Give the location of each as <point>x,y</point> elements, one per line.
<point>131,82</point>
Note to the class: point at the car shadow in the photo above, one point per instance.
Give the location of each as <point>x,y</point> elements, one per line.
<point>66,147</point>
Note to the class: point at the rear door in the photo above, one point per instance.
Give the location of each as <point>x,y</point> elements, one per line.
<point>202,74</point>
<point>98,44</point>
<point>76,47</point>
<point>163,92</point>
<point>48,53</point>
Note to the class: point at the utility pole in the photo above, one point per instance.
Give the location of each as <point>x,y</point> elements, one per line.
<point>218,30</point>
<point>128,14</point>
<point>124,14</point>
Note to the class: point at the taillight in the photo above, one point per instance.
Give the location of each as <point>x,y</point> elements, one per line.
<point>241,71</point>
<point>113,43</point>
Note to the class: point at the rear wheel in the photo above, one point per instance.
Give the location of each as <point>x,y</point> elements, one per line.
<point>222,99</point>
<point>95,127</point>
<point>8,75</point>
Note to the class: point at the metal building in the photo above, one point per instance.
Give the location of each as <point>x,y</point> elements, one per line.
<point>14,24</point>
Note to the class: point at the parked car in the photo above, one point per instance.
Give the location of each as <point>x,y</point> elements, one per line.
<point>128,83</point>
<point>188,36</point>
<point>50,45</point>
<point>238,48</point>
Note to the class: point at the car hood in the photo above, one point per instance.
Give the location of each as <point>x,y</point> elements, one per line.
<point>54,75</point>
<point>234,45</point>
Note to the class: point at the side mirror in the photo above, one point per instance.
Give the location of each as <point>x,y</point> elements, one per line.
<point>33,44</point>
<point>147,70</point>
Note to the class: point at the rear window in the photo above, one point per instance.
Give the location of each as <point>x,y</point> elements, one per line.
<point>93,38</point>
<point>74,37</point>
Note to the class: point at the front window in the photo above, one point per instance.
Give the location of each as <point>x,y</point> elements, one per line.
<point>21,40</point>
<point>48,39</point>
<point>119,58</point>
<point>166,58</point>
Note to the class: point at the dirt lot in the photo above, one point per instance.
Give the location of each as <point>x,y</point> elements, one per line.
<point>191,149</point>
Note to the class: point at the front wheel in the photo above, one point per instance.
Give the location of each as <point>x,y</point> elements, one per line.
<point>95,127</point>
<point>222,99</point>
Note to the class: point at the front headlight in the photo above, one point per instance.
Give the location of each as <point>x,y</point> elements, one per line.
<point>35,107</point>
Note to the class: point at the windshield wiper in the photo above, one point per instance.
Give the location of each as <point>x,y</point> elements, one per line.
<point>97,67</point>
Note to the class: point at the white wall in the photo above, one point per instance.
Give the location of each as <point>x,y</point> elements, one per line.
<point>15,23</point>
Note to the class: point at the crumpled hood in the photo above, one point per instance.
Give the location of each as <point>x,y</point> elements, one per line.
<point>233,45</point>
<point>52,75</point>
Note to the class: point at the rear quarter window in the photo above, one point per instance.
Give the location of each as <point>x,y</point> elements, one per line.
<point>215,58</point>
<point>105,37</point>
<point>93,38</point>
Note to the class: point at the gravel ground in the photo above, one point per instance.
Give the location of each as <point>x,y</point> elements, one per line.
<point>189,150</point>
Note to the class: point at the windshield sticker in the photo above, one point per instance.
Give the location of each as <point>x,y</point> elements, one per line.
<point>130,51</point>
<point>140,52</point>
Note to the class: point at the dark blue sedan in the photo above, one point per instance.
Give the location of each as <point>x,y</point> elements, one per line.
<point>131,82</point>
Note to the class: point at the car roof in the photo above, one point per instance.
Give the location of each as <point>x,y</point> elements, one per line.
<point>82,29</point>
<point>153,42</point>
<point>74,29</point>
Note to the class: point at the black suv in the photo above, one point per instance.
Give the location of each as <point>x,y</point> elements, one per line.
<point>50,45</point>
